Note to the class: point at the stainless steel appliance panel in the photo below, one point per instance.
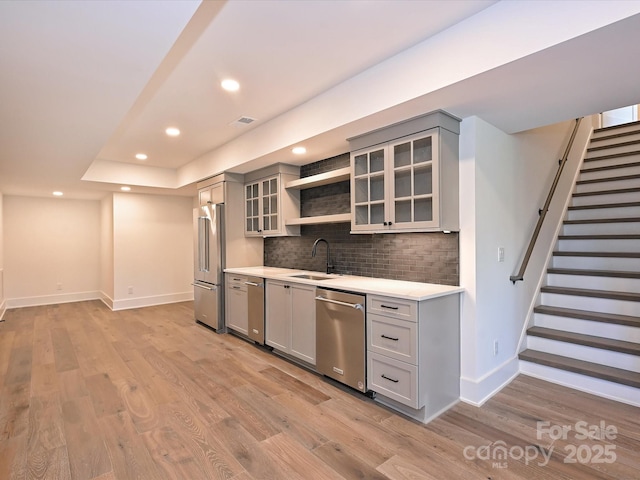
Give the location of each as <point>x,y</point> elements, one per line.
<point>208,221</point>
<point>341,338</point>
<point>208,305</point>
<point>209,265</point>
<point>255,294</point>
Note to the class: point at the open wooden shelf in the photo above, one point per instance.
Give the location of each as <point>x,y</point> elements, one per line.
<point>337,218</point>
<point>320,179</point>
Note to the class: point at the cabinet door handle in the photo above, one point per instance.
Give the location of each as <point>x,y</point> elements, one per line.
<point>382,305</point>
<point>235,287</point>
<point>390,338</point>
<point>389,378</point>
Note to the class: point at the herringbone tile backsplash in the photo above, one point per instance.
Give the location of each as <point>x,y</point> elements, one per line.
<point>419,257</point>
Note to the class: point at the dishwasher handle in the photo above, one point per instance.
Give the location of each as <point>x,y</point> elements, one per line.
<point>253,284</point>
<point>357,306</point>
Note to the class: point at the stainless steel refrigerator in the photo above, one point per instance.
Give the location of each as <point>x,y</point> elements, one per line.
<point>209,265</point>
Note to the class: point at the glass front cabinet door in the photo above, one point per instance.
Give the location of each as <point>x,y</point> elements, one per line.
<point>262,207</point>
<point>395,187</point>
<point>268,204</point>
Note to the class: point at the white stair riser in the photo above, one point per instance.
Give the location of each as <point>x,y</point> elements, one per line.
<point>612,284</point>
<point>587,354</point>
<point>615,140</point>
<point>601,228</point>
<point>595,386</point>
<point>588,327</point>
<point>610,212</point>
<point>605,162</point>
<point>597,263</point>
<point>608,185</point>
<point>624,128</point>
<point>605,198</point>
<point>613,149</point>
<point>631,170</point>
<point>593,304</point>
<point>599,246</point>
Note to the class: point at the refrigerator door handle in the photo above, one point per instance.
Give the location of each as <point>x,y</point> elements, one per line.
<point>204,287</point>
<point>203,245</point>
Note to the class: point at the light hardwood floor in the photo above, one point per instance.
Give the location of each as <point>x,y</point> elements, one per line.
<point>87,393</point>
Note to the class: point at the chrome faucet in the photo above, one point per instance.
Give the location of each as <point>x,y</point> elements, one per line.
<point>313,253</point>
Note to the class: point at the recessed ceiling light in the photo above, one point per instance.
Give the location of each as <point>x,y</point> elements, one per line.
<point>172,131</point>
<point>299,150</point>
<point>141,156</point>
<point>230,85</point>
<point>58,194</point>
<point>125,189</point>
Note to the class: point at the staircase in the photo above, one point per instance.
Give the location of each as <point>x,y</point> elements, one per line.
<point>586,331</point>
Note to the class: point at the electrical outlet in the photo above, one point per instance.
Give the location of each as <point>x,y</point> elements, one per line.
<point>130,290</point>
<point>495,348</point>
<point>501,254</point>
<point>59,286</point>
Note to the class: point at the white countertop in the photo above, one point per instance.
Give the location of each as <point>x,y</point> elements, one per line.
<point>377,286</point>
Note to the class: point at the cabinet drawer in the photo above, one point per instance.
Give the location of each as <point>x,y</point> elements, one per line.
<point>394,338</point>
<point>236,282</point>
<point>394,379</point>
<point>393,307</point>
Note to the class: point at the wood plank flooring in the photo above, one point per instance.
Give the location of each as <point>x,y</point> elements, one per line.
<point>86,393</point>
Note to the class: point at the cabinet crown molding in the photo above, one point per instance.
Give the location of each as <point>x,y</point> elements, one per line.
<point>421,123</point>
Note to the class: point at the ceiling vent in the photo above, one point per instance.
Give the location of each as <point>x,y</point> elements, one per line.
<point>242,121</point>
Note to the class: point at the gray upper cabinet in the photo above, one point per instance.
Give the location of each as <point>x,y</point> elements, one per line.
<point>267,204</point>
<point>409,182</point>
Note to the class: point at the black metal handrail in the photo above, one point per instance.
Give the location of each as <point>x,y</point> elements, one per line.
<point>543,211</point>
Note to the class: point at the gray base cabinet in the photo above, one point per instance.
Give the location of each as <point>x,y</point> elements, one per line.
<point>291,320</point>
<point>236,300</point>
<point>413,353</point>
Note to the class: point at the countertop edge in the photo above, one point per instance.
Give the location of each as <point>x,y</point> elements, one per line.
<point>345,282</point>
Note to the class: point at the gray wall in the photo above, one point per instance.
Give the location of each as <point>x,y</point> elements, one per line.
<point>420,257</point>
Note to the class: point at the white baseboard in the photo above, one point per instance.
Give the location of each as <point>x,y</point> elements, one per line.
<point>107,300</point>
<point>420,415</point>
<point>149,301</point>
<point>84,296</point>
<point>51,299</point>
<point>478,391</point>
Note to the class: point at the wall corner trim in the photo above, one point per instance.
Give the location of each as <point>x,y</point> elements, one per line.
<point>477,391</point>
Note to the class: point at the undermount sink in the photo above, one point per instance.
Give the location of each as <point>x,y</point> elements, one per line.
<point>306,276</point>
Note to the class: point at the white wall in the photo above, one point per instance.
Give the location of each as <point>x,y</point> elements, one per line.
<point>52,250</point>
<point>152,249</point>
<point>2,300</point>
<point>504,179</point>
<point>106,250</point>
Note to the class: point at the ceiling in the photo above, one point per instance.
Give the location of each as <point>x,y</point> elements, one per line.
<point>84,86</point>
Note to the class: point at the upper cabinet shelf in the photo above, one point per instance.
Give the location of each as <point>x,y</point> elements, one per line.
<point>335,218</point>
<point>320,179</point>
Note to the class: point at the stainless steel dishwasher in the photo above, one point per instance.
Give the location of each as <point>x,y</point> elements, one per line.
<point>340,337</point>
